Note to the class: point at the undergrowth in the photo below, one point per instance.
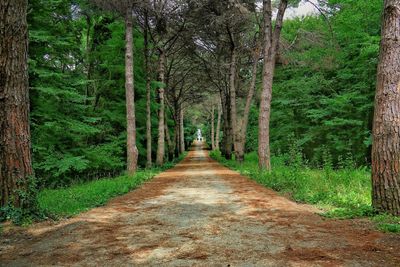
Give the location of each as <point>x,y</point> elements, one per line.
<point>343,193</point>
<point>69,201</point>
<point>75,199</point>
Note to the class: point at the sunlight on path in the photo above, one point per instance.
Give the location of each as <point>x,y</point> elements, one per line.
<point>202,214</point>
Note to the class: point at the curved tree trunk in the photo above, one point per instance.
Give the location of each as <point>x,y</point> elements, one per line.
<point>15,138</point>
<point>386,127</point>
<point>132,151</point>
<point>161,120</point>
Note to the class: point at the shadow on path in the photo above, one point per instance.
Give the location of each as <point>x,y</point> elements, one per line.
<point>200,213</point>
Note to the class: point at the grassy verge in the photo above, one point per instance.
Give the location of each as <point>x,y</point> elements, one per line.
<point>344,193</point>
<point>70,201</point>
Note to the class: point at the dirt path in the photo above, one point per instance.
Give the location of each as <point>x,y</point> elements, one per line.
<point>201,214</point>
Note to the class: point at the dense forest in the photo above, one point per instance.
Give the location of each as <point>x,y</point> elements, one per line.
<point>120,86</point>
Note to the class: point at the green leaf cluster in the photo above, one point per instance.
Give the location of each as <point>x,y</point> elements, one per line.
<point>77,80</point>
<point>324,84</point>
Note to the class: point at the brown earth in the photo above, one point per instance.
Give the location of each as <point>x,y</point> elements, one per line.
<point>200,214</point>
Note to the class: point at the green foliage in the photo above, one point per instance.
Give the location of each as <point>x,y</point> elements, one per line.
<point>324,85</point>
<point>78,198</point>
<point>77,76</point>
<point>72,200</point>
<point>343,193</point>
<point>252,130</point>
<point>388,223</point>
<point>28,210</point>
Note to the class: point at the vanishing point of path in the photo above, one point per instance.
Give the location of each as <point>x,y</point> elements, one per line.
<point>201,214</point>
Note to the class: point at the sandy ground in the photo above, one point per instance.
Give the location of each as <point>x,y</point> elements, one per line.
<point>200,214</point>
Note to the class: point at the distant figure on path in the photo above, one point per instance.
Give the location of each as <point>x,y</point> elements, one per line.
<point>199,137</point>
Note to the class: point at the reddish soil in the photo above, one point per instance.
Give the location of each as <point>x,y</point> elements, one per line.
<point>200,214</point>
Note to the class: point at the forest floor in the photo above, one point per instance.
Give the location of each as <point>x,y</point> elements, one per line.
<point>200,214</point>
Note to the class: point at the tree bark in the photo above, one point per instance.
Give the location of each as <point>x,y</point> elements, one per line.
<point>271,42</point>
<point>170,145</point>
<point>148,92</point>
<point>182,132</point>
<point>386,126</point>
<point>212,128</point>
<point>161,130</point>
<point>88,58</point>
<point>227,140</point>
<point>218,127</point>
<point>241,142</point>
<point>132,151</point>
<point>15,138</point>
<point>177,137</point>
<point>232,95</point>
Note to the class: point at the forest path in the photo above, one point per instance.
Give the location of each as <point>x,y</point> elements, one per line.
<point>201,214</point>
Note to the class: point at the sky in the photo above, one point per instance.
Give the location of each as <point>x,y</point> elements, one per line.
<point>303,9</point>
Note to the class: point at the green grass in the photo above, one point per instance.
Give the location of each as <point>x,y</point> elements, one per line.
<point>343,193</point>
<point>70,201</point>
<point>75,199</point>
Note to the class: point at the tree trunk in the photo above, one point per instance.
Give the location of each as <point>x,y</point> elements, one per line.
<point>227,127</point>
<point>148,93</point>
<point>88,58</point>
<point>232,94</point>
<point>264,153</point>
<point>15,138</point>
<point>177,137</point>
<point>169,141</point>
<point>161,130</point>
<point>212,128</point>
<point>223,138</point>
<point>241,142</point>
<point>271,43</point>
<point>132,151</point>
<point>182,131</point>
<point>218,127</point>
<point>386,127</point>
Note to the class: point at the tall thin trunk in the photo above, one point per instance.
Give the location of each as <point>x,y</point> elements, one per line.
<point>212,128</point>
<point>170,145</point>
<point>241,142</point>
<point>232,94</point>
<point>386,127</point>
<point>227,127</point>
<point>15,137</point>
<point>89,65</point>
<point>217,131</point>
<point>182,131</point>
<point>271,43</point>
<point>264,153</point>
<point>132,151</point>
<point>177,128</point>
<point>161,130</point>
<point>148,92</point>
<point>177,138</point>
<point>179,145</point>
